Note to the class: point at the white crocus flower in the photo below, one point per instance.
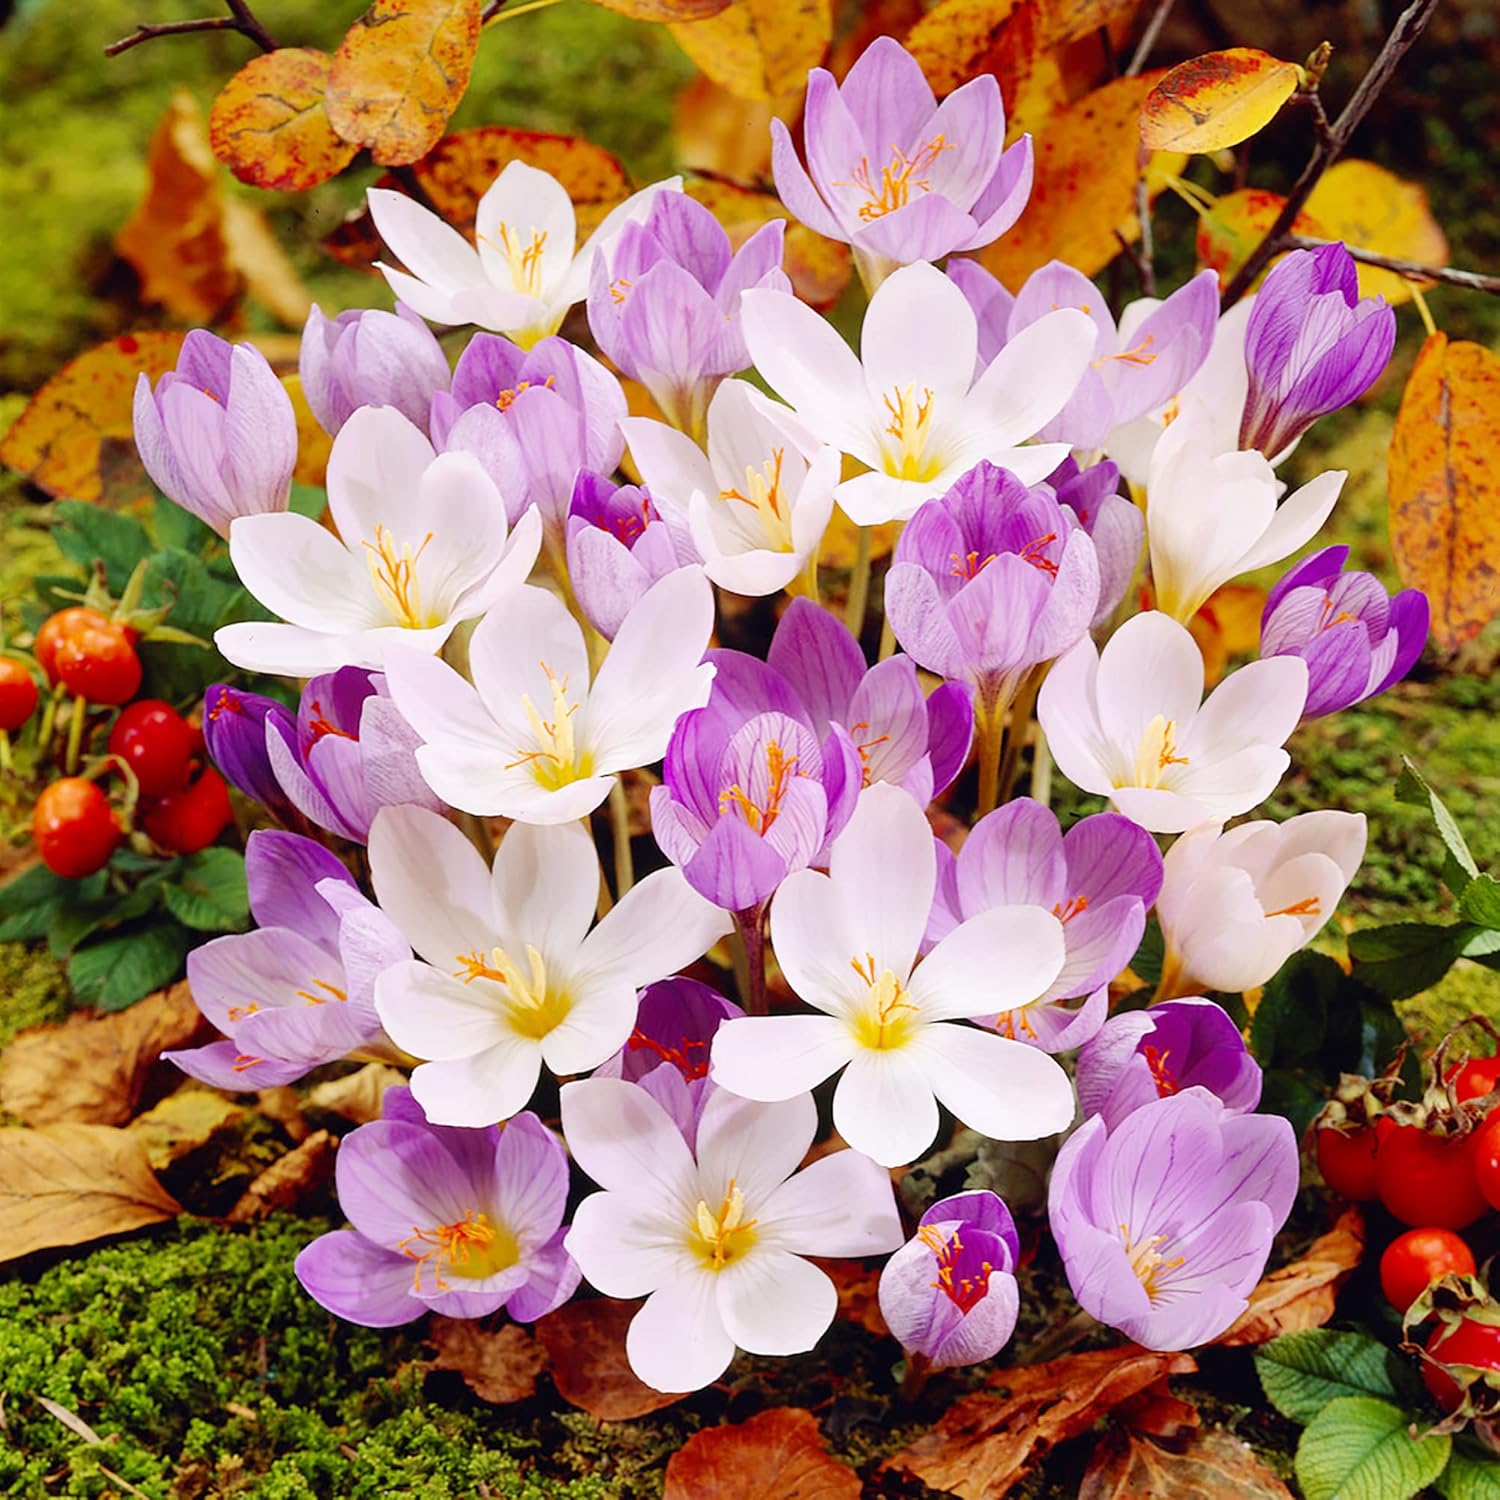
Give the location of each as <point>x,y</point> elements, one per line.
<point>1211,516</point>
<point>715,1243</point>
<point>757,503</point>
<point>1130,724</point>
<point>521,275</point>
<point>847,943</point>
<point>532,738</point>
<point>421,545</point>
<point>909,406</point>
<point>1235,906</point>
<point>513,976</point>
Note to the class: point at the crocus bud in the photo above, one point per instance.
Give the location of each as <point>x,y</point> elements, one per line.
<point>1141,1055</point>
<point>1312,345</point>
<point>1355,638</point>
<point>234,732</point>
<point>949,1294</point>
<point>218,435</point>
<point>370,358</point>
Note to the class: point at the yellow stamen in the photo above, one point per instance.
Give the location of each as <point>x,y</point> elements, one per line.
<point>506,398</point>
<point>525,261</point>
<point>618,290</point>
<point>894,188</point>
<point>885,1019</point>
<point>1139,356</point>
<point>1008,1021</point>
<point>555,761</point>
<point>332,992</point>
<point>1147,1261</point>
<point>1308,906</point>
<point>474,1247</point>
<point>780,768</point>
<point>532,1007</point>
<point>1155,753</point>
<point>718,1238</point>
<point>763,494</point>
<point>864,747</point>
<point>910,426</point>
<point>394,577</point>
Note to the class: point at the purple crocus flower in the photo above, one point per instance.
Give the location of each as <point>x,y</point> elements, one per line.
<point>666,306</point>
<point>668,1052</point>
<point>533,419</point>
<point>1312,345</point>
<point>750,791</point>
<point>446,1220</point>
<point>370,358</point>
<point>619,542</point>
<point>1164,1223</point>
<point>1142,1055</point>
<point>234,732</point>
<point>1114,522</point>
<point>218,435</point>
<point>893,173</point>
<point>1137,366</point>
<point>1355,638</point>
<point>949,1294</point>
<point>917,741</point>
<point>991,303</point>
<point>299,991</point>
<point>1098,880</point>
<point>347,754</point>
<point>991,580</point>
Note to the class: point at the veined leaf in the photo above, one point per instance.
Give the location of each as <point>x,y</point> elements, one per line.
<point>1217,100</point>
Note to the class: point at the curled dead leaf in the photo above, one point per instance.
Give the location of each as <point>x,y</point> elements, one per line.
<point>720,133</point>
<point>181,1123</point>
<point>356,1096</point>
<point>585,1343</point>
<point>1156,1412</point>
<point>776,1455</point>
<point>499,1365</point>
<point>1213,1462</point>
<point>286,1182</point>
<point>858,1286</point>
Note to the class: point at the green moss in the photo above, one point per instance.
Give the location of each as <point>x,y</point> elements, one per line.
<point>33,990</point>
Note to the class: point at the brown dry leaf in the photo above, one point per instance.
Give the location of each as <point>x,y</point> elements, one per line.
<point>1217,100</point>
<point>284,1183</point>
<point>1087,162</point>
<point>719,133</point>
<point>356,1096</point>
<point>1445,499</point>
<point>313,444</point>
<point>399,73</point>
<point>283,1105</point>
<point>500,1366</point>
<point>585,1343</point>
<point>665,10</point>
<point>269,125</point>
<point>1156,1412</point>
<point>984,1444</point>
<point>181,1123</point>
<point>1302,1294</point>
<point>858,1288</point>
<point>57,441</point>
<point>760,49</point>
<point>1237,223</point>
<point>270,278</point>
<point>92,1067</point>
<point>69,1184</point>
<point>777,1455</point>
<point>1214,1463</point>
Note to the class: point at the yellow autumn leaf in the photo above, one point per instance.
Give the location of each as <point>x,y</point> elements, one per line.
<point>759,49</point>
<point>1217,100</point>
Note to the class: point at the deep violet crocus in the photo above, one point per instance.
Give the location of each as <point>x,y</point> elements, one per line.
<point>1164,1223</point>
<point>446,1220</point>
<point>218,435</point>
<point>1099,879</point>
<point>668,1052</point>
<point>1355,638</point>
<point>1312,345</point>
<point>893,173</point>
<point>234,733</point>
<point>1115,524</point>
<point>664,302</point>
<point>299,990</point>
<point>1141,1055</point>
<point>367,357</point>
<point>949,1294</point>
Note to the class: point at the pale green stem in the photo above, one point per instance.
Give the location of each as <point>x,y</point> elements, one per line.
<point>859,584</point>
<point>619,828</point>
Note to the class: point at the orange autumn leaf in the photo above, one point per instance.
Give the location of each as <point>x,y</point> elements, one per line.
<point>1209,1463</point>
<point>665,10</point>
<point>760,49</point>
<point>776,1455</point>
<point>1237,223</point>
<point>499,1365</point>
<point>720,134</point>
<point>1087,162</point>
<point>585,1344</point>
<point>270,126</point>
<point>1228,625</point>
<point>58,440</point>
<point>399,73</point>
<point>1217,100</point>
<point>1444,494</point>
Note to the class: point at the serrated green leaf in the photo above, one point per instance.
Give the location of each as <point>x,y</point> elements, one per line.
<point>1302,1372</point>
<point>1413,789</point>
<point>210,894</point>
<point>78,919</point>
<point>1406,958</point>
<point>179,528</point>
<point>86,533</point>
<point>1480,902</point>
<point>31,887</point>
<point>118,970</point>
<point>1358,1448</point>
<point>1470,1475</point>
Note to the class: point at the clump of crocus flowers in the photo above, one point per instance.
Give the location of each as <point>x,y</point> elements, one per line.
<point>502,624</point>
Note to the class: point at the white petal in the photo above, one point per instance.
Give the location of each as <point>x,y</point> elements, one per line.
<point>775,1303</point>
<point>1003,1089</point>
<point>816,938</point>
<point>1151,666</point>
<point>627,1143</point>
<point>677,1341</point>
<point>672,465</point>
<point>897,345</point>
<point>776,1057</point>
<point>432,1014</point>
<point>524,645</point>
<point>997,960</point>
<point>660,925</point>
<point>840,1205</point>
<point>300,572</point>
<point>473,1091</point>
<point>431,250</point>
<point>1298,519</point>
<point>375,471</point>
<point>545,886</point>
<point>883,1106</point>
<point>1030,380</point>
<point>626,1248</point>
<point>755,1145</point>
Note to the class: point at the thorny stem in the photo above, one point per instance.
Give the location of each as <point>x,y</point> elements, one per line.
<point>751,925</point>
<point>1148,37</point>
<point>240,18</point>
<point>859,584</point>
<point>1408,28</point>
<point>1475,281</point>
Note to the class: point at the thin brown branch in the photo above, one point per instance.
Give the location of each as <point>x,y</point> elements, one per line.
<point>490,11</point>
<point>250,25</point>
<point>1148,37</point>
<point>1408,28</point>
<point>240,18</point>
<point>1475,281</point>
<point>1143,255</point>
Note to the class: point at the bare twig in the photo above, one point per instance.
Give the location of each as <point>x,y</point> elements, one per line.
<point>490,11</point>
<point>1475,281</point>
<point>1148,37</point>
<point>240,18</point>
<point>250,26</point>
<point>1407,29</point>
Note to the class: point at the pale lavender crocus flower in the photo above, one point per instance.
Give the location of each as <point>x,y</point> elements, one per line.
<point>949,1294</point>
<point>1143,1055</point>
<point>1356,639</point>
<point>1165,1222</point>
<point>893,173</point>
<point>218,435</point>
<point>619,542</point>
<point>664,302</point>
<point>1115,524</point>
<point>367,357</point>
<point>1312,345</point>
<point>991,303</point>
<point>1099,879</point>
<point>451,1221</point>
<point>667,1053</point>
<point>299,990</point>
<point>347,754</point>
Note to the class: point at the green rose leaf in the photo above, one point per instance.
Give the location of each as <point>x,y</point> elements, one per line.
<point>209,894</point>
<point>1302,1372</point>
<point>1358,1448</point>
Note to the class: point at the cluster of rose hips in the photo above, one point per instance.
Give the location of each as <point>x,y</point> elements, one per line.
<point>168,791</point>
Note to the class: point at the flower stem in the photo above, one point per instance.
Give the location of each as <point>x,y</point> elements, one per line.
<point>1041,770</point>
<point>887,639</point>
<point>914,1381</point>
<point>75,734</point>
<point>989,732</point>
<point>859,584</point>
<point>477,831</point>
<point>1060,1339</point>
<point>1018,722</point>
<point>619,828</point>
<point>5,763</point>
<point>751,924</point>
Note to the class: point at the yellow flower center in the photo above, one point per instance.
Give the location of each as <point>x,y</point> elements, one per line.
<point>718,1238</point>
<point>532,1007</point>
<point>1156,751</point>
<point>524,259</point>
<point>393,575</point>
<point>884,1018</point>
<point>554,759</point>
<point>759,817</point>
<point>910,427</point>
<point>763,494</point>
<point>893,188</point>
<point>472,1248</point>
<point>1147,1261</point>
